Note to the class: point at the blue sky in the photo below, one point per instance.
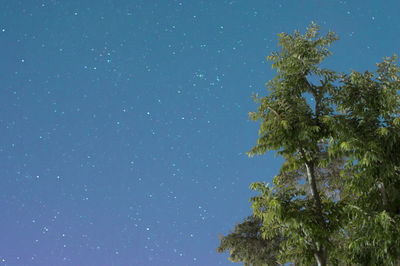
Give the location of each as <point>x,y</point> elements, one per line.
<point>124,124</point>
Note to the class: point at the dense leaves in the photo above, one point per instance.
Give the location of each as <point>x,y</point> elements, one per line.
<point>336,199</point>
<point>368,123</point>
<point>247,245</point>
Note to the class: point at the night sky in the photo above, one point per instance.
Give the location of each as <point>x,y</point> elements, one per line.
<point>124,124</point>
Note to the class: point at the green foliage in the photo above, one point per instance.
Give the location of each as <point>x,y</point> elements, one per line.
<point>299,133</point>
<point>336,199</point>
<point>289,210</point>
<point>368,130</point>
<point>287,121</point>
<point>283,201</point>
<point>245,244</point>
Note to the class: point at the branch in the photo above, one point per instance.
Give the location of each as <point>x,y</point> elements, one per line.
<point>310,167</point>
<point>382,188</point>
<point>275,112</point>
<point>315,95</point>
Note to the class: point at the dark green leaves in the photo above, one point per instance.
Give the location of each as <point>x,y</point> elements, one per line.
<point>245,244</point>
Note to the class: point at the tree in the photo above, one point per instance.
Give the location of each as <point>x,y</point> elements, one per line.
<point>342,146</point>
<point>298,132</point>
<point>368,130</point>
<point>245,244</point>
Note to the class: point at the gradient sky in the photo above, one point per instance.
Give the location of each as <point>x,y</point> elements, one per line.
<point>124,124</point>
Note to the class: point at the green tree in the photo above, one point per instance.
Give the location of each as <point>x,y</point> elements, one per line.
<point>297,131</point>
<point>245,244</point>
<point>368,130</point>
<point>337,197</point>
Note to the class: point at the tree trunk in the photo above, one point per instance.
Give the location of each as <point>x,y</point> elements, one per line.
<point>321,257</point>
<point>314,191</point>
<point>320,254</point>
<point>382,188</point>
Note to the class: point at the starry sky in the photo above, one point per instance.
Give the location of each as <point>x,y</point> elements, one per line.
<point>124,123</point>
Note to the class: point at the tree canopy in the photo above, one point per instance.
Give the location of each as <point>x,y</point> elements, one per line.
<point>336,199</point>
